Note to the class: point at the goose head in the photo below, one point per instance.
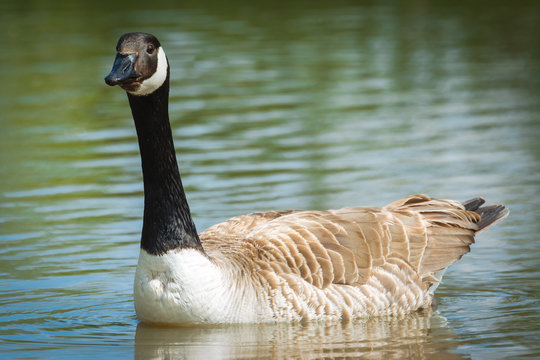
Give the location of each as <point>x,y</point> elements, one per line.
<point>140,66</point>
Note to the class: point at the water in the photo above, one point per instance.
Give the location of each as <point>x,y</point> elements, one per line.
<point>307,105</point>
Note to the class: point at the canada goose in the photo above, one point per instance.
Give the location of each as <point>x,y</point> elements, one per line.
<point>278,265</point>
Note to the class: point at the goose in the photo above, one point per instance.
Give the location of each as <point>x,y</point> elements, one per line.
<point>276,266</point>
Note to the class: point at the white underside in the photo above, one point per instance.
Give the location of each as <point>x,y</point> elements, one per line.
<point>154,82</point>
<point>185,287</point>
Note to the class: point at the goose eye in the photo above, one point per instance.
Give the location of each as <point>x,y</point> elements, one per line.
<point>150,49</point>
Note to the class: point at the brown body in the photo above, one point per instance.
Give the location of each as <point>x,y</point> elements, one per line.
<point>349,262</point>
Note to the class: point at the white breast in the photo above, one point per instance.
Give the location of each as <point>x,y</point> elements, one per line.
<point>186,287</point>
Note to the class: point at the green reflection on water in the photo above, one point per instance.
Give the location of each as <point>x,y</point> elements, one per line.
<point>276,105</point>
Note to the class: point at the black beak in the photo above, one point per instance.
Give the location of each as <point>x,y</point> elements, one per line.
<point>123,70</point>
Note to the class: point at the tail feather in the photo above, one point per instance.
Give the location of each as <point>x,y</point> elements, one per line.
<point>489,215</point>
<point>473,204</point>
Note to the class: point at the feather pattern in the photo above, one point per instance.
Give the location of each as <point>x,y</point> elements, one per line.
<point>336,264</point>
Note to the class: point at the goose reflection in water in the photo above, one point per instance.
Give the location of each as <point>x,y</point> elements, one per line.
<point>388,337</point>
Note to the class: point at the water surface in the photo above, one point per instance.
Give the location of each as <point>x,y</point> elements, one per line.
<point>304,105</point>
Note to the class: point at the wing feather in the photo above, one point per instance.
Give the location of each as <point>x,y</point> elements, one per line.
<point>343,246</point>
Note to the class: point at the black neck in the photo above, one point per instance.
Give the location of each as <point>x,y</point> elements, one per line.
<point>167,222</point>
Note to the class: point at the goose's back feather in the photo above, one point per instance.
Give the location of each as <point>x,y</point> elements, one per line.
<point>386,258</point>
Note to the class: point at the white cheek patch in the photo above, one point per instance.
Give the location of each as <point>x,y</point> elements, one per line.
<point>155,81</point>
